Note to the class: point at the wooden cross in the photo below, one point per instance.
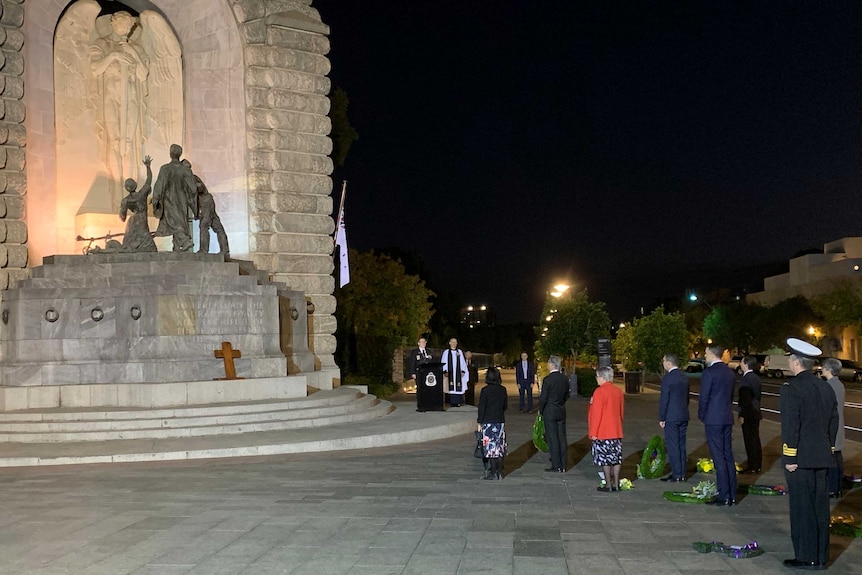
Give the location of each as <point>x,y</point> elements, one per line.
<point>227,353</point>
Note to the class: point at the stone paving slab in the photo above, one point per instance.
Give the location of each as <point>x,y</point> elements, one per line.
<point>413,509</point>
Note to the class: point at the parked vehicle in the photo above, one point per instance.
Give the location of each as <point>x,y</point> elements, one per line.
<point>777,366</point>
<point>850,370</point>
<point>761,359</point>
<point>695,365</point>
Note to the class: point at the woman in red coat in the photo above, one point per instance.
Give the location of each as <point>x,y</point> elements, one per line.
<point>606,428</point>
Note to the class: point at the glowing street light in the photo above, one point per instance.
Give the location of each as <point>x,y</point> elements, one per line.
<point>560,289</point>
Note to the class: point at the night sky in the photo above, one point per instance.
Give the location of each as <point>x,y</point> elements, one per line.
<point>640,149</point>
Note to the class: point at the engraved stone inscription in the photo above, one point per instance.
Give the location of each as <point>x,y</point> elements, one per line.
<point>230,314</point>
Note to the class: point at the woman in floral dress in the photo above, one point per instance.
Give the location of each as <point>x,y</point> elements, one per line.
<point>493,402</point>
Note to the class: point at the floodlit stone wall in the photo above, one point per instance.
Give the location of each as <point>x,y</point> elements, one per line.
<point>290,206</point>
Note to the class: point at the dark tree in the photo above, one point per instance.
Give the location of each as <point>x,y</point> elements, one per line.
<point>343,134</point>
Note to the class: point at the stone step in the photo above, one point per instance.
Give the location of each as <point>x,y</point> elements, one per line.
<point>402,426</point>
<point>358,409</point>
<point>375,408</point>
<point>201,419</point>
<point>333,397</point>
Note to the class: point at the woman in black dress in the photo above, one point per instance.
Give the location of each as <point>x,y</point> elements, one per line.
<point>493,402</point>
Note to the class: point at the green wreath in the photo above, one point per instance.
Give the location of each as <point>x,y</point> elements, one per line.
<point>732,551</point>
<point>766,490</point>
<point>654,459</point>
<point>846,529</point>
<point>539,434</point>
<point>683,497</point>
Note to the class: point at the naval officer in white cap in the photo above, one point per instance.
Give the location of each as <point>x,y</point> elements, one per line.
<point>809,424</point>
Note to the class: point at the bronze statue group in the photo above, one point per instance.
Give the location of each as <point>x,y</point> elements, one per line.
<point>178,197</point>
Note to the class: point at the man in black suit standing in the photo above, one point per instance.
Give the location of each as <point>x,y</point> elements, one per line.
<point>749,414</point>
<point>419,357</point>
<point>809,426</point>
<point>715,410</point>
<point>525,376</point>
<point>673,415</point>
<point>552,406</point>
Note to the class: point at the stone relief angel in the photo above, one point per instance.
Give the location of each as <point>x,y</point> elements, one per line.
<point>118,83</point>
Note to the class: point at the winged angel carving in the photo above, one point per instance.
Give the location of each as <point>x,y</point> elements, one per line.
<point>118,80</point>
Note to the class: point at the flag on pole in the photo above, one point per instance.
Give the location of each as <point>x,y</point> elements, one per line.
<point>341,242</point>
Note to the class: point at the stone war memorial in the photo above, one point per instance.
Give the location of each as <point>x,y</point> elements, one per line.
<point>110,298</point>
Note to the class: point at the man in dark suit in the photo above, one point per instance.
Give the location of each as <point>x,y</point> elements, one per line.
<point>809,426</point>
<point>419,357</point>
<point>673,415</point>
<point>473,370</point>
<point>749,414</point>
<point>715,410</point>
<point>525,376</point>
<point>552,406</point>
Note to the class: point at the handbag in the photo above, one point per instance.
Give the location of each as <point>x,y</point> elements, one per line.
<point>478,452</point>
<point>539,434</point>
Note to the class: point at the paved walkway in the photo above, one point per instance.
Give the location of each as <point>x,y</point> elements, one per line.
<point>417,509</point>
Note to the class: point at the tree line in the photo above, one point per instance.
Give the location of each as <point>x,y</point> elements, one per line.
<point>385,307</point>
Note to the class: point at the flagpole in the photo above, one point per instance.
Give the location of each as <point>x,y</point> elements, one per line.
<point>340,240</point>
<point>341,204</point>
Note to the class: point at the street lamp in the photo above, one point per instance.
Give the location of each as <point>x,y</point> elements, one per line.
<point>560,289</point>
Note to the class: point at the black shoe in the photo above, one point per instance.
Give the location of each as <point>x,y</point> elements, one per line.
<point>667,478</point>
<point>722,502</point>
<point>750,471</point>
<point>680,479</point>
<point>615,489</point>
<point>796,563</point>
<point>834,495</point>
<point>603,489</point>
<point>552,469</point>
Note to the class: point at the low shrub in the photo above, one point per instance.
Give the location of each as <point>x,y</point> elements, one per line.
<point>378,385</point>
<point>587,383</point>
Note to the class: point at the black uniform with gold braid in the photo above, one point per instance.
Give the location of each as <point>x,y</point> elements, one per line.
<point>809,423</point>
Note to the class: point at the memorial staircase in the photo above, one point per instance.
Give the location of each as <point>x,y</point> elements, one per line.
<point>326,420</point>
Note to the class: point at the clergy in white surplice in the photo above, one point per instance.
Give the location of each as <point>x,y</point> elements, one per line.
<point>456,372</point>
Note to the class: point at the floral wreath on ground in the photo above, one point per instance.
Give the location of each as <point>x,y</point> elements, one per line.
<point>653,460</point>
<point>845,525</point>
<point>732,551</point>
<point>707,465</point>
<point>767,490</point>
<point>703,492</point>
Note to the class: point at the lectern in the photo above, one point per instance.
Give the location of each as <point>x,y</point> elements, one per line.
<point>429,387</point>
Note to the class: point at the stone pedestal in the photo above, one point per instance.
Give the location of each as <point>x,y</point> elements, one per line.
<point>137,318</point>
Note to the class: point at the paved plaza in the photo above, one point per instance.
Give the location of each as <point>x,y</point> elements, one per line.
<point>419,509</point>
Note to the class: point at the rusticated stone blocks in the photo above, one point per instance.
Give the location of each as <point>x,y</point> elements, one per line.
<point>13,138</point>
<point>285,47</point>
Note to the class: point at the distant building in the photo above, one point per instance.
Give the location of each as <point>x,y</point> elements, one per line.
<point>474,316</point>
<point>815,274</point>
